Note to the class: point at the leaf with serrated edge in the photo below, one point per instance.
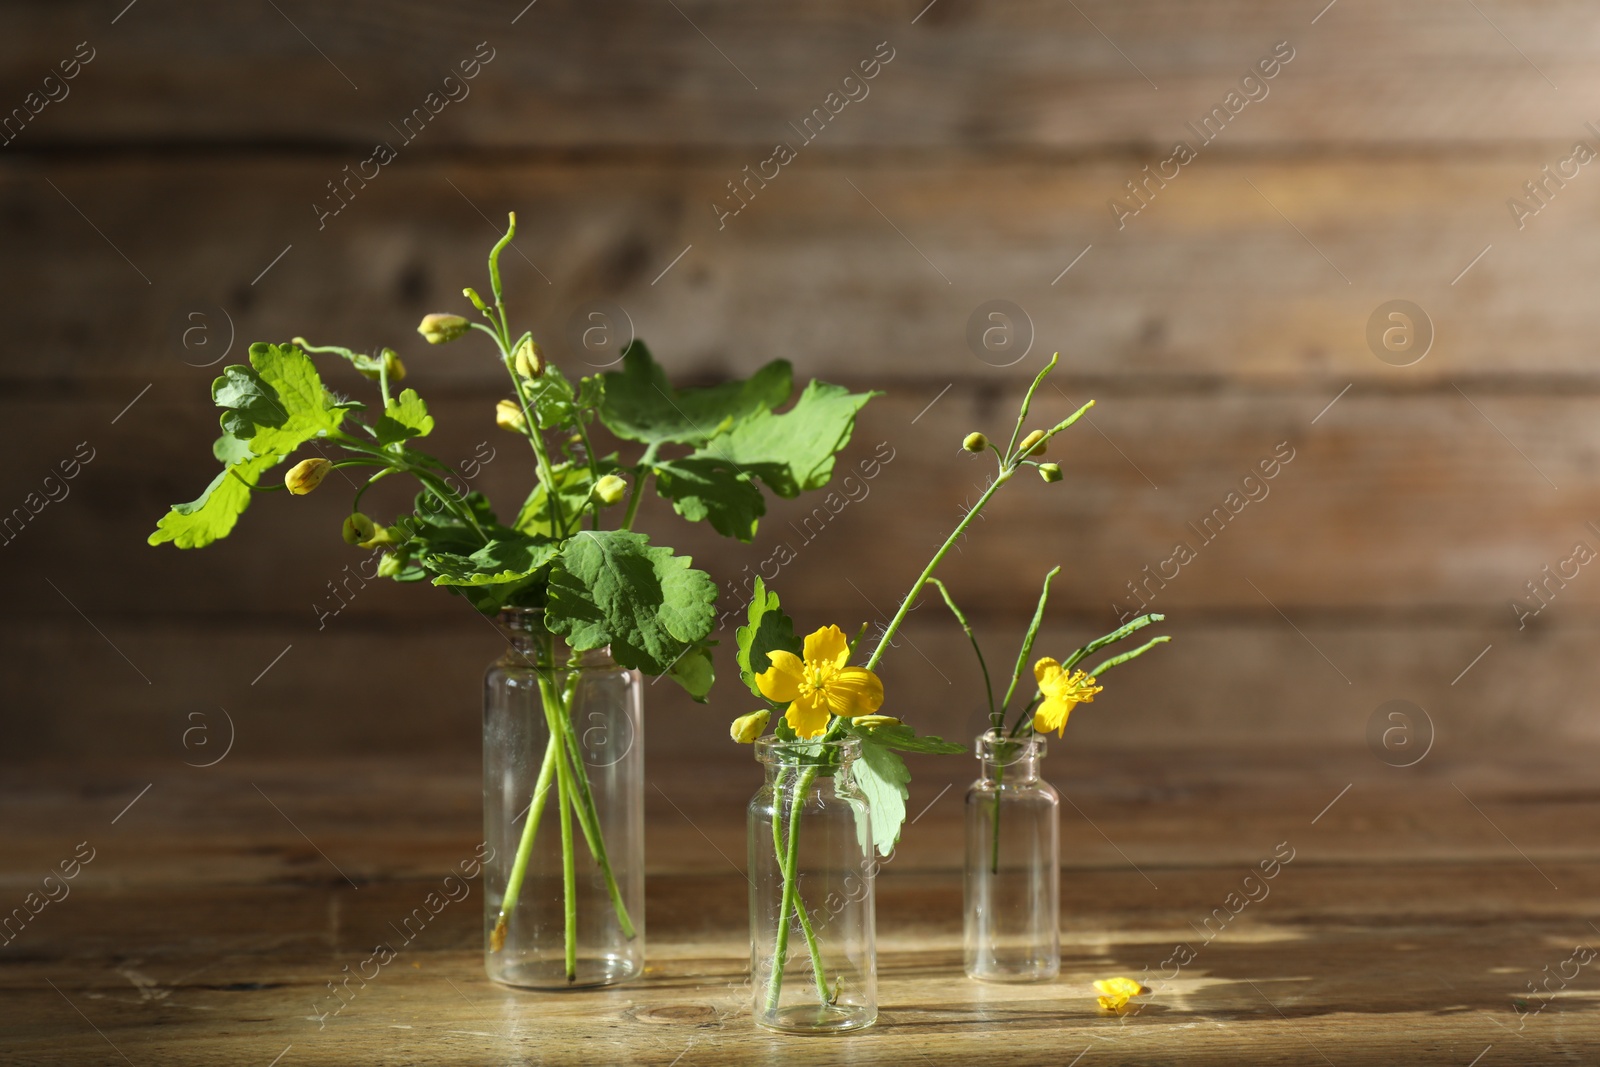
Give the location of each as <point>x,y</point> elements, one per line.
<point>306,408</point>
<point>769,629</point>
<point>641,405</point>
<point>882,776</point>
<point>612,587</point>
<point>212,515</point>
<point>507,560</point>
<point>709,488</point>
<point>793,451</point>
<point>905,739</point>
<point>404,418</point>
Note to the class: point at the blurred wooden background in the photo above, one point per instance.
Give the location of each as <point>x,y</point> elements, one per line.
<point>178,177</point>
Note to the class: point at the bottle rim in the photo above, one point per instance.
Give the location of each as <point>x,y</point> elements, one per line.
<point>992,746</point>
<point>804,752</point>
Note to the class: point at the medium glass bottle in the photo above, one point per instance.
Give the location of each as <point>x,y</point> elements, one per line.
<point>1013,878</point>
<point>563,812</point>
<point>813,939</point>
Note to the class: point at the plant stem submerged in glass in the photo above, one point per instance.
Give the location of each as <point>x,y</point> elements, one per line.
<point>563,803</point>
<point>1012,887</point>
<point>812,919</point>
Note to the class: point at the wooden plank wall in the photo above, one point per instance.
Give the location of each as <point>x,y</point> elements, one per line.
<point>174,196</point>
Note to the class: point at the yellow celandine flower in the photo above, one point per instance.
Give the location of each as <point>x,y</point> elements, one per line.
<point>1116,992</point>
<point>1062,691</point>
<point>820,686</point>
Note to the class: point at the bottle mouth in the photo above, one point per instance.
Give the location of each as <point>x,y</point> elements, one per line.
<point>814,752</point>
<point>994,746</point>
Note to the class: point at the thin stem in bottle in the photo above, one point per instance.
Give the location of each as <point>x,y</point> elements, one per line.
<point>818,969</point>
<point>569,873</point>
<point>588,815</point>
<point>519,866</point>
<point>791,869</point>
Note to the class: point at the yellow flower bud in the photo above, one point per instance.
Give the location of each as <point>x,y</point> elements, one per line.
<point>441,328</point>
<point>609,490</point>
<point>1050,472</point>
<point>975,442</point>
<point>392,365</point>
<point>746,728</point>
<point>389,566</point>
<point>1033,444</point>
<point>477,301</point>
<point>306,475</point>
<point>508,416</point>
<point>529,360</point>
<point>357,528</point>
<point>873,721</point>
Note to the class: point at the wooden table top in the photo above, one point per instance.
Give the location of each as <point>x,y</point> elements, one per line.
<point>1419,905</point>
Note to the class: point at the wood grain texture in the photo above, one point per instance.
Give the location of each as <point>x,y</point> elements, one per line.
<point>965,77</point>
<point>1213,282</point>
<point>1403,929</point>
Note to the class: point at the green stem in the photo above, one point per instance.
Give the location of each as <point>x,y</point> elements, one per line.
<point>791,870</point>
<point>583,801</point>
<point>988,686</point>
<point>927,572</point>
<point>818,970</point>
<point>636,490</point>
<point>519,866</point>
<point>569,872</point>
<point>994,833</point>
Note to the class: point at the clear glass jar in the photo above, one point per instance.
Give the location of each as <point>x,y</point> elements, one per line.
<point>813,938</point>
<point>563,813</point>
<point>1013,867</point>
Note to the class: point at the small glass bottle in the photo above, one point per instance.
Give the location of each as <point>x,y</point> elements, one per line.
<point>563,885</point>
<point>814,969</point>
<point>1013,879</point>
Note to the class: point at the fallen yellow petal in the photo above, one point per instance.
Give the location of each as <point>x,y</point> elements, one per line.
<point>1116,992</point>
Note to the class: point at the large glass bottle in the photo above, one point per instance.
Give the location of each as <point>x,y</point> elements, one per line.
<point>813,941</point>
<point>563,813</point>
<point>1013,879</point>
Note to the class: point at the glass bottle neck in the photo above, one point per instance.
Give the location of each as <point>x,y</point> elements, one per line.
<point>819,761</point>
<point>1009,760</point>
<point>530,644</point>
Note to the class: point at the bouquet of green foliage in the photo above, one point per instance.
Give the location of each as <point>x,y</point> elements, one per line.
<point>710,451</point>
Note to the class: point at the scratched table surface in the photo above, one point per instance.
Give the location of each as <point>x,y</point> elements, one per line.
<point>1438,914</point>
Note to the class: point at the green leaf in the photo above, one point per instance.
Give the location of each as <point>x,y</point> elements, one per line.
<point>433,528</point>
<point>501,560</point>
<point>404,418</point>
<point>905,739</point>
<point>612,587</point>
<point>553,401</point>
<point>695,671</point>
<point>710,488</point>
<point>230,450</point>
<point>769,630</point>
<point>212,515</point>
<point>640,405</point>
<point>573,482</point>
<point>882,776</point>
<point>281,404</point>
<point>794,451</point>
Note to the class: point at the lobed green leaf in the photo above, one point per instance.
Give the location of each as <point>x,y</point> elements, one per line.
<point>769,630</point>
<point>612,587</point>
<point>794,451</point>
<point>404,418</point>
<point>704,487</point>
<point>639,404</point>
